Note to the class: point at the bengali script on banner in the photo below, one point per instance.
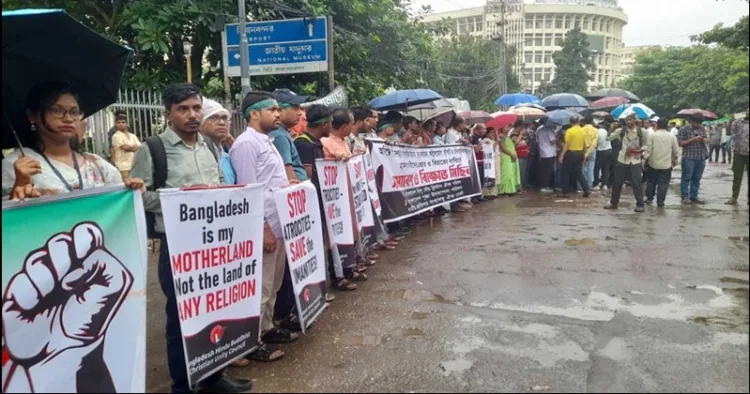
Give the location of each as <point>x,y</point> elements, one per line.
<point>74,293</point>
<point>215,239</point>
<point>414,179</point>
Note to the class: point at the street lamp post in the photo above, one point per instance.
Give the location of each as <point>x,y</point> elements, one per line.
<point>187,47</point>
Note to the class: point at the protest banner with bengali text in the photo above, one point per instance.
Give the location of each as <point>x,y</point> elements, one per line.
<point>334,190</point>
<point>490,172</point>
<point>74,293</point>
<point>415,179</point>
<point>215,238</point>
<point>362,204</point>
<point>303,239</point>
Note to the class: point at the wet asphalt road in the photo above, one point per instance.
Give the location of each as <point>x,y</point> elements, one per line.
<point>533,293</point>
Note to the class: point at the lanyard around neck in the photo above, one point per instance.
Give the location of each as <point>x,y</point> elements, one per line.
<point>62,179</point>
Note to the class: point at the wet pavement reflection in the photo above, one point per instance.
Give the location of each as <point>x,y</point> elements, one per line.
<point>534,293</point>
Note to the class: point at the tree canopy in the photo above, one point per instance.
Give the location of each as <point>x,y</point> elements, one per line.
<point>672,79</point>
<point>734,37</point>
<point>573,64</point>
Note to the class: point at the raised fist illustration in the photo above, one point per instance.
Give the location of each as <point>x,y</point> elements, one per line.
<point>57,309</point>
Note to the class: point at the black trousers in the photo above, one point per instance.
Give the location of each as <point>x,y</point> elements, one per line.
<point>658,184</point>
<point>285,303</point>
<point>573,172</point>
<point>714,153</point>
<point>546,172</point>
<point>632,173</point>
<point>175,353</point>
<point>603,167</point>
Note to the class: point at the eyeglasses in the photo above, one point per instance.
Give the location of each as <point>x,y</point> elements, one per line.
<point>219,118</point>
<point>59,113</point>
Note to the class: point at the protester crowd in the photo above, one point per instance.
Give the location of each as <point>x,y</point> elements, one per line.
<point>197,149</point>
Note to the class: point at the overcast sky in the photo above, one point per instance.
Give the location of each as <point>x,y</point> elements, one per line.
<point>651,22</point>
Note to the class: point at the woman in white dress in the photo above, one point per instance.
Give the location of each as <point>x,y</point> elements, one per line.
<point>52,164</point>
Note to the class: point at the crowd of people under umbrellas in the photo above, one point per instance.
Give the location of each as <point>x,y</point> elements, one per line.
<point>282,142</point>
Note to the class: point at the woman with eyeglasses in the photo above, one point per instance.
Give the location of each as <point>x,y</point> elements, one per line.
<point>51,162</point>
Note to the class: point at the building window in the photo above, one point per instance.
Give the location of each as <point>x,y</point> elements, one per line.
<point>558,22</point>
<point>567,24</point>
<point>528,57</point>
<point>599,77</point>
<point>547,58</point>
<point>529,23</point>
<point>609,27</point>
<point>538,23</point>
<point>586,24</point>
<point>537,58</point>
<point>538,40</point>
<point>609,42</point>
<point>558,41</point>
<point>537,76</point>
<point>606,60</point>
<point>548,23</point>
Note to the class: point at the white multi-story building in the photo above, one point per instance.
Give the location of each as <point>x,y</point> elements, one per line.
<point>537,29</point>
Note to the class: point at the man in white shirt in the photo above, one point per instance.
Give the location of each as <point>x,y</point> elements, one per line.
<point>664,151</point>
<point>603,166</point>
<point>455,133</point>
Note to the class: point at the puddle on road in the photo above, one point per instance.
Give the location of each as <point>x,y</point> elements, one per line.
<point>587,242</point>
<point>456,366</point>
<point>413,333</point>
<point>732,317</point>
<point>420,315</point>
<point>360,340</point>
<point>738,281</point>
<point>414,295</point>
<point>736,238</point>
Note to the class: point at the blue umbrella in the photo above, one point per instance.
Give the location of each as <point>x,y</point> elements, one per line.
<point>640,110</point>
<point>564,100</point>
<point>560,117</point>
<point>511,99</point>
<point>402,99</point>
<point>43,45</point>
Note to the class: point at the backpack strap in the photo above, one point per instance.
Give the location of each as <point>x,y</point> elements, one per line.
<point>303,137</point>
<point>159,161</point>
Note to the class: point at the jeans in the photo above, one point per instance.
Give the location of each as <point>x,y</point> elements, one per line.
<point>523,163</point>
<point>740,167</point>
<point>603,167</point>
<point>714,152</point>
<point>175,351</point>
<point>726,152</point>
<point>546,173</point>
<point>632,173</point>
<point>658,184</point>
<point>588,169</point>
<point>573,172</point>
<point>692,173</point>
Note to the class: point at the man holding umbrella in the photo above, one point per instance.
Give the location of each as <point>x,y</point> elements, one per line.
<point>630,163</point>
<point>693,140</point>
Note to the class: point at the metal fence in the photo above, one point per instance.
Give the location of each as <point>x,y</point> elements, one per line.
<point>145,113</point>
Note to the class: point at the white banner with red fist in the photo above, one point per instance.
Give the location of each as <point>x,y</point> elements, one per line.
<point>215,238</point>
<point>303,239</point>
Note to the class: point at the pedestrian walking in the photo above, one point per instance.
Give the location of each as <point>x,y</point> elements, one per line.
<point>741,135</point>
<point>693,139</point>
<point>630,163</point>
<point>726,143</point>
<point>547,139</point>
<point>572,158</point>
<point>714,143</point>
<point>603,163</point>
<point>663,154</point>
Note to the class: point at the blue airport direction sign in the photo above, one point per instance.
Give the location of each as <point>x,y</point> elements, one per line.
<point>280,47</point>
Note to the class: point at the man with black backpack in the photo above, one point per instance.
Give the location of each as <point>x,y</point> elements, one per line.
<point>630,163</point>
<point>191,161</point>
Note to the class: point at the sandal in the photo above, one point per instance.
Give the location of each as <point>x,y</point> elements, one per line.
<point>279,335</point>
<point>240,363</point>
<point>397,238</point>
<point>358,277</point>
<point>344,285</point>
<point>372,257</point>
<point>266,354</point>
<point>360,268</point>
<point>330,297</point>
<point>385,246</point>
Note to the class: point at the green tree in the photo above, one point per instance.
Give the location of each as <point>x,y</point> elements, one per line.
<point>469,68</point>
<point>734,37</point>
<point>572,64</point>
<point>672,79</point>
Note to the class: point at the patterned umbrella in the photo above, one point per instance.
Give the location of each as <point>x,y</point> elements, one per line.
<point>475,117</point>
<point>707,115</point>
<point>609,102</point>
<point>528,113</point>
<point>639,110</point>
<point>612,92</point>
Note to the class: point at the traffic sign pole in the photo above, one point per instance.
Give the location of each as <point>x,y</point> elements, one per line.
<point>244,50</point>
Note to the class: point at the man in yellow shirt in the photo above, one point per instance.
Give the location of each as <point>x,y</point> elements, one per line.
<point>572,157</point>
<point>589,161</point>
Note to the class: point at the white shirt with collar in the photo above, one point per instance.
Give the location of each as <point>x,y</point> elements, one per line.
<point>664,150</point>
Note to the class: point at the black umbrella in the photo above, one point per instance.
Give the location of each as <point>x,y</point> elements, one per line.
<point>42,45</point>
<point>613,92</point>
